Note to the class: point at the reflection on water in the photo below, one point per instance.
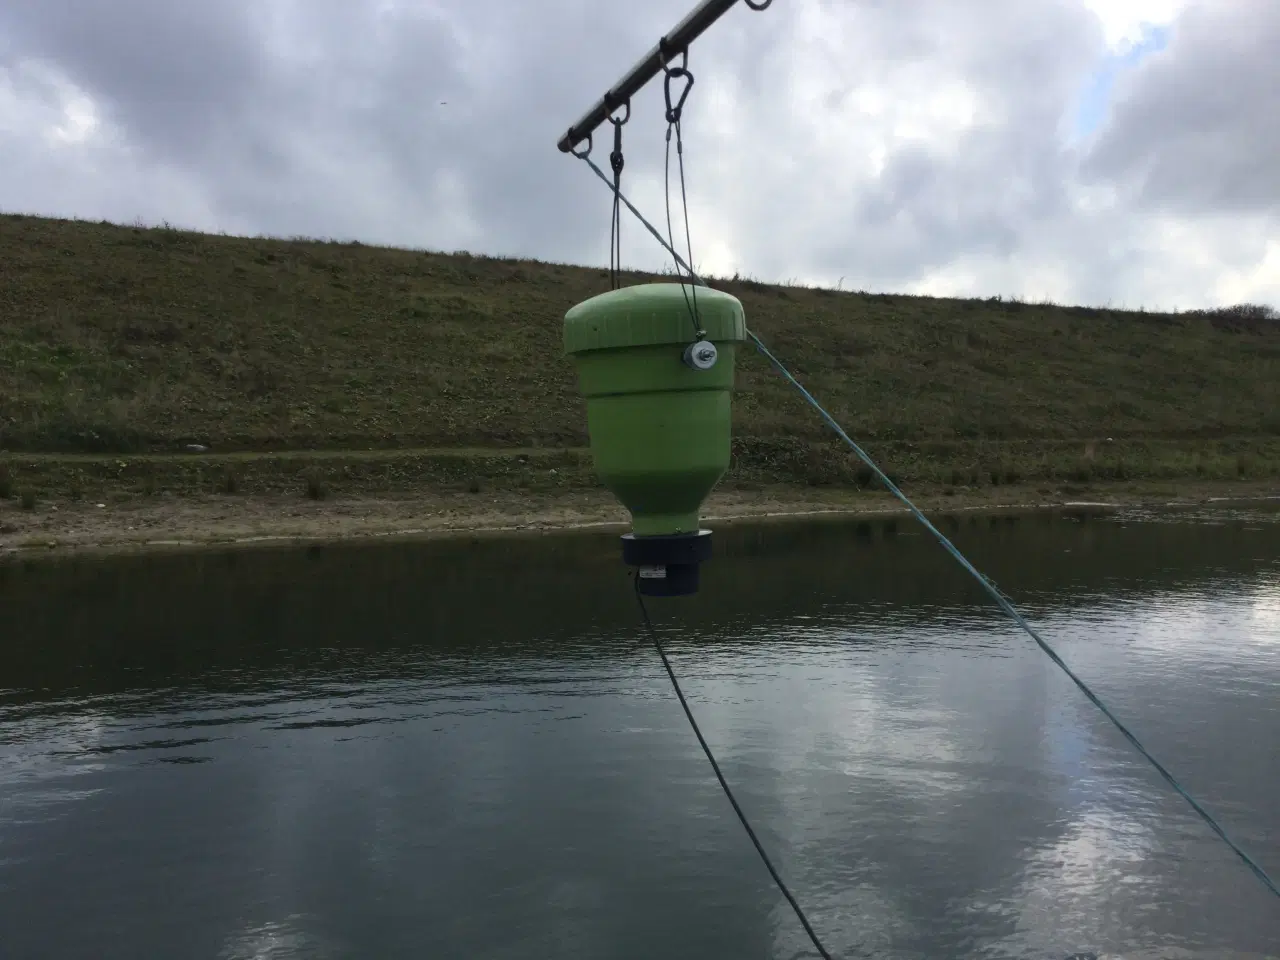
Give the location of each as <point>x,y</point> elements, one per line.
<point>468,750</point>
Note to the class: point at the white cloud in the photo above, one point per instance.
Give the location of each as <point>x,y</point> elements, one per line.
<point>1124,22</point>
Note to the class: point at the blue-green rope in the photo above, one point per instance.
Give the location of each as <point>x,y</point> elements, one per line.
<point>1001,600</point>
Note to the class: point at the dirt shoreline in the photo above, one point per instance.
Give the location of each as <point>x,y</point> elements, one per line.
<point>155,523</point>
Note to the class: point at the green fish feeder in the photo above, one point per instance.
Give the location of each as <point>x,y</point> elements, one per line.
<point>655,364</point>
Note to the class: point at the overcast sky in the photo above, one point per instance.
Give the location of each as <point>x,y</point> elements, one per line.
<point>1095,151</point>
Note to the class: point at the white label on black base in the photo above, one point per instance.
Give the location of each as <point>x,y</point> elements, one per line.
<point>653,573</point>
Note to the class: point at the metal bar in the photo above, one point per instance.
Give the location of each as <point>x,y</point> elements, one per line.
<point>674,43</point>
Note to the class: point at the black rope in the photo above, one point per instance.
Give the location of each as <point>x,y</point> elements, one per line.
<point>724,785</point>
<point>673,115</point>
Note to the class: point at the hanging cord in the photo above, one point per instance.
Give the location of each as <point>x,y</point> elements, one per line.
<point>1001,600</point>
<point>673,114</point>
<point>616,162</point>
<point>724,784</point>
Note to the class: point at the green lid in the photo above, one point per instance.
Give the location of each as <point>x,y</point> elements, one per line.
<point>652,313</point>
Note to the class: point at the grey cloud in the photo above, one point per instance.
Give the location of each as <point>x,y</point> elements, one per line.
<point>171,73</point>
<point>1197,128</point>
<point>289,114</point>
<point>325,118</point>
<point>989,192</point>
<point>349,98</point>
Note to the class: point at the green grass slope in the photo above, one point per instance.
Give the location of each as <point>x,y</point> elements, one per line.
<point>123,340</point>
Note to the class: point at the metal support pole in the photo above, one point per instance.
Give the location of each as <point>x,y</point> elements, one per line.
<point>672,45</point>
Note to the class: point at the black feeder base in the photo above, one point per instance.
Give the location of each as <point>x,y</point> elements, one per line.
<point>668,565</point>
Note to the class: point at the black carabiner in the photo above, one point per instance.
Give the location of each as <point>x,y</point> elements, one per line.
<point>676,73</point>
<point>615,158</point>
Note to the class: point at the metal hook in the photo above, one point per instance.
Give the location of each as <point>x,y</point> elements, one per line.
<point>664,51</point>
<point>582,154</point>
<point>758,5</point>
<point>625,117</point>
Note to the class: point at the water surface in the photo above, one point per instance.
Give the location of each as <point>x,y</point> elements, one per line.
<point>469,749</point>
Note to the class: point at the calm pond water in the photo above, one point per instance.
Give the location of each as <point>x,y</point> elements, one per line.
<point>469,750</point>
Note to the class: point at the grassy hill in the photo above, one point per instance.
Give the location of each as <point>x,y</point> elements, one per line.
<point>134,342</point>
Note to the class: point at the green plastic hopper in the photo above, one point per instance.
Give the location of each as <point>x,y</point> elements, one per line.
<point>658,411</point>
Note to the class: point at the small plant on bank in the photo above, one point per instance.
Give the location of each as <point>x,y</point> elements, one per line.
<point>317,488</point>
<point>230,481</point>
<point>28,500</point>
<point>6,482</point>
